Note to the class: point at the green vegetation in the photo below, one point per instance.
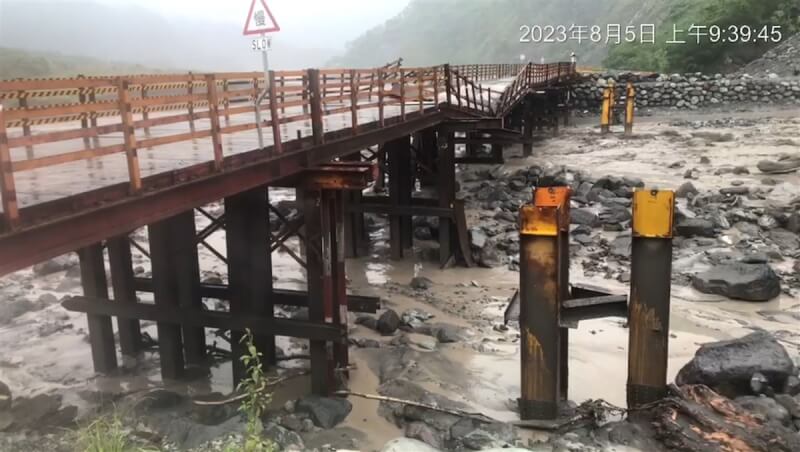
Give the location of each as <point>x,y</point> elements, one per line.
<point>16,63</point>
<point>728,53</point>
<point>257,398</point>
<point>106,434</point>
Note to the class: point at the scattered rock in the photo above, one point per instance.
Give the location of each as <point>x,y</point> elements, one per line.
<point>283,437</point>
<point>583,217</point>
<point>423,432</point>
<point>5,397</point>
<point>715,137</point>
<point>421,283</point>
<point>388,322</point>
<point>740,281</point>
<point>687,190</point>
<point>769,408</point>
<point>55,265</point>
<point>324,411</point>
<point>695,227</point>
<point>728,366</point>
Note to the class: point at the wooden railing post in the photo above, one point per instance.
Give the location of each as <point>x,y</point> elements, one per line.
<point>227,102</point>
<point>421,93</point>
<point>190,91</point>
<point>274,118</point>
<point>145,112</point>
<point>448,84</point>
<point>458,89</point>
<point>22,98</point>
<point>213,114</point>
<point>436,86</point>
<point>354,83</point>
<point>7,187</point>
<point>128,132</point>
<point>315,98</point>
<point>402,94</point>
<point>381,87</point>
<point>305,94</point>
<point>283,95</point>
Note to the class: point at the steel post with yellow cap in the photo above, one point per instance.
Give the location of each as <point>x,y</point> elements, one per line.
<point>630,105</point>
<point>542,291</point>
<point>605,114</point>
<point>649,306</point>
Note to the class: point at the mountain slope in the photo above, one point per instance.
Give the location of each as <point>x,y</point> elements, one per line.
<point>16,63</point>
<point>461,31</point>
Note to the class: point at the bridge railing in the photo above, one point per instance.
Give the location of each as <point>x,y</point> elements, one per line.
<point>85,118</point>
<point>529,78</point>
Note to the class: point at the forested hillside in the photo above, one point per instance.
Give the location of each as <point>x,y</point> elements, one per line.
<point>460,31</point>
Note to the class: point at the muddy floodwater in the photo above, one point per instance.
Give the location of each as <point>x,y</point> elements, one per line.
<point>45,350</point>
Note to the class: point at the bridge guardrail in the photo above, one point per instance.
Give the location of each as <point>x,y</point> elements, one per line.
<point>100,116</point>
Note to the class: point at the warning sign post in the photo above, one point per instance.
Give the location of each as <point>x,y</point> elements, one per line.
<point>260,21</point>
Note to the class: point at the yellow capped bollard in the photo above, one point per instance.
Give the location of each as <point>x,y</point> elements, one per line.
<point>630,105</point>
<point>649,305</point>
<point>544,238</point>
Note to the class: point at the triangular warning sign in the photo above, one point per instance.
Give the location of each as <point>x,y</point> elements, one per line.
<point>260,19</point>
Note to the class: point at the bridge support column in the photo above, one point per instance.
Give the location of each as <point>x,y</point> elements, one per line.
<point>249,268</point>
<point>101,332</point>
<point>325,271</point>
<point>354,224</point>
<point>447,195</point>
<point>428,149</point>
<point>398,153</point>
<point>527,130</point>
<point>122,278</point>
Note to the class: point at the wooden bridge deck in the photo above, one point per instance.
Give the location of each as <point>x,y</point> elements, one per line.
<point>88,158</point>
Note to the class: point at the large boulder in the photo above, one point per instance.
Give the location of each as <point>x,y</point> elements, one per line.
<point>728,366</point>
<point>388,322</point>
<point>740,281</point>
<point>326,412</point>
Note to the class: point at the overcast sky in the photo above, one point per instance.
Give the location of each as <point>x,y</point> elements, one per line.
<point>343,18</point>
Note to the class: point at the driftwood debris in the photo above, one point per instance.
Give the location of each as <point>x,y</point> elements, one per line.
<point>454,412</point>
<point>697,419</point>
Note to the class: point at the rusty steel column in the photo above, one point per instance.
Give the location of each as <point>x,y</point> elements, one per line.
<point>339,281</point>
<point>101,331</point>
<point>541,295</point>
<point>318,275</point>
<point>249,268</point>
<point>648,311</point>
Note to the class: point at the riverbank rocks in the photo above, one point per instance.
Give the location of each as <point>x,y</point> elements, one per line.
<point>583,217</point>
<point>326,412</point>
<point>388,322</point>
<point>695,227</point>
<point>728,366</point>
<point>740,281</point>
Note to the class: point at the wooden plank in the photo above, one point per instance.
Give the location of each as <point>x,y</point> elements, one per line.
<point>101,332</point>
<point>60,110</point>
<point>354,80</point>
<point>7,186</point>
<point>58,159</point>
<point>381,89</point>
<point>168,315</point>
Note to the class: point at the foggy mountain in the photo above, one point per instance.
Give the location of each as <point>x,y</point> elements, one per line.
<point>137,35</point>
<point>488,31</point>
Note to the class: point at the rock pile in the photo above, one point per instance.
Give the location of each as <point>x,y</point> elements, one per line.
<point>689,91</point>
<point>783,60</point>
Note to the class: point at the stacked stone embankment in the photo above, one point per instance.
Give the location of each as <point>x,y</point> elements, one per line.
<point>689,91</point>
